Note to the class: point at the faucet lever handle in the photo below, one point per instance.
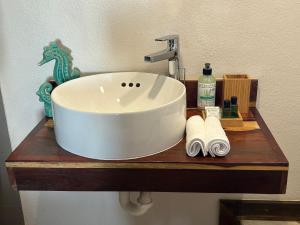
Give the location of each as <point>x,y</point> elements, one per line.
<point>167,38</point>
<point>172,41</point>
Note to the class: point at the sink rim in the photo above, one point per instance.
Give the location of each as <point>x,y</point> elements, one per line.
<point>117,113</point>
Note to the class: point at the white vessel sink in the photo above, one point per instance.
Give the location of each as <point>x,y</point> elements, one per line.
<point>117,116</point>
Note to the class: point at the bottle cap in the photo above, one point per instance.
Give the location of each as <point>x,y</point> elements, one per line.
<point>226,103</point>
<point>207,70</point>
<point>233,100</point>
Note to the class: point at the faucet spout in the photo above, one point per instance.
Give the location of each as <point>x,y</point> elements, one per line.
<point>171,53</point>
<point>159,56</point>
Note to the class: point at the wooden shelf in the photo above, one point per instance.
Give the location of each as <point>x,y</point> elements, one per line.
<point>255,164</point>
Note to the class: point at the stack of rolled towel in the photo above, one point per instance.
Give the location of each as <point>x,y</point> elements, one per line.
<point>207,137</point>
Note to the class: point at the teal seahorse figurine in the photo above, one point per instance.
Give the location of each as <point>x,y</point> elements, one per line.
<point>63,62</point>
<point>44,93</point>
<point>62,72</point>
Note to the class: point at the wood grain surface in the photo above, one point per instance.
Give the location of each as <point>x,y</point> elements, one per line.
<point>255,164</point>
<point>237,85</point>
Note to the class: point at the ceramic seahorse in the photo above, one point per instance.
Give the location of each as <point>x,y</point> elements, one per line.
<point>63,63</point>
<point>44,94</point>
<point>62,72</point>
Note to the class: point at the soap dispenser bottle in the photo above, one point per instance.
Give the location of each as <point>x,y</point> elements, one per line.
<point>206,88</point>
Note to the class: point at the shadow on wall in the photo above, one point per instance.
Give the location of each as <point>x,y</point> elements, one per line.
<point>10,205</point>
<point>2,45</point>
<point>101,208</point>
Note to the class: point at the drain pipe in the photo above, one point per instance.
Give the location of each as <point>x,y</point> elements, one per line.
<point>144,203</point>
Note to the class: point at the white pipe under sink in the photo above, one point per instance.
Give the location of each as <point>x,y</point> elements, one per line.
<point>144,203</point>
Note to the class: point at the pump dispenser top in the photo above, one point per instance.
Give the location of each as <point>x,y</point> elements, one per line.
<point>207,70</point>
<point>206,88</point>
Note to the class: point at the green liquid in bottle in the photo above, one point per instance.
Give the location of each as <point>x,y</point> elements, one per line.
<point>206,88</point>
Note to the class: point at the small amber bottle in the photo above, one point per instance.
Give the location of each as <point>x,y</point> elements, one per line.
<point>234,107</point>
<point>226,113</point>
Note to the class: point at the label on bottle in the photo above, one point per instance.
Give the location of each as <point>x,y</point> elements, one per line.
<point>206,94</point>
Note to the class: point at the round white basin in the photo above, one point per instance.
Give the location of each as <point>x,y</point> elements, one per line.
<point>117,116</point>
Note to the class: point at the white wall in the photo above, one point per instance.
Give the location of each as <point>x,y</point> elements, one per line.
<point>258,37</point>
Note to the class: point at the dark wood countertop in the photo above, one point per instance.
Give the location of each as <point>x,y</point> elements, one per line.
<point>255,164</point>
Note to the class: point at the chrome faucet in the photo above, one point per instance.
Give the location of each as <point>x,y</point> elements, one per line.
<point>171,53</point>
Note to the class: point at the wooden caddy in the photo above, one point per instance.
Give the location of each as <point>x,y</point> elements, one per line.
<point>238,85</point>
<point>232,122</point>
<point>228,122</point>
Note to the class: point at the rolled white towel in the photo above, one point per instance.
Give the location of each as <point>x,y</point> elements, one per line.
<point>216,141</point>
<point>195,136</point>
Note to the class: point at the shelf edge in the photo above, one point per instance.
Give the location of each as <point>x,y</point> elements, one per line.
<point>142,165</point>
